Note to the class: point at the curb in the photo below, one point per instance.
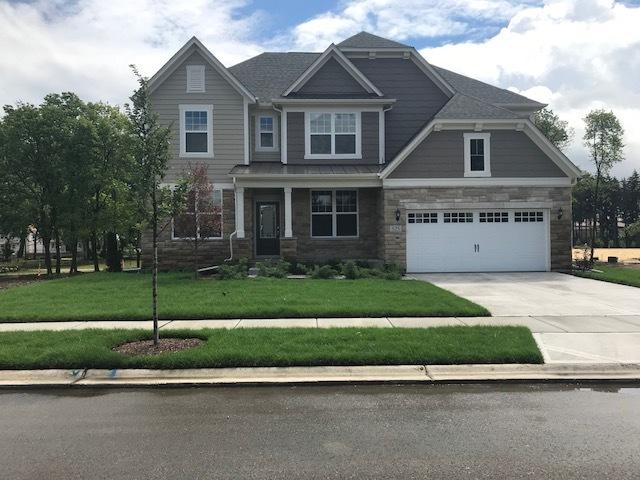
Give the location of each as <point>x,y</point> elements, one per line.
<point>426,374</point>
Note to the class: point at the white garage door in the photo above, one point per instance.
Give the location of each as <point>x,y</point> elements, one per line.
<point>477,240</point>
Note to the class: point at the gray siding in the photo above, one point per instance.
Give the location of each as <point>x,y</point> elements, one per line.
<point>268,156</point>
<point>418,98</point>
<point>331,78</point>
<point>228,121</point>
<point>370,141</point>
<point>441,155</point>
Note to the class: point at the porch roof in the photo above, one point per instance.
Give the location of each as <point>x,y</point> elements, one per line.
<point>299,174</point>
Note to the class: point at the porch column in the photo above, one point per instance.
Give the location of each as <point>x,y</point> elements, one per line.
<point>239,211</point>
<point>288,228</point>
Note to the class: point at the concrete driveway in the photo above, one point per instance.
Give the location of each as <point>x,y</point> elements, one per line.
<point>574,320</point>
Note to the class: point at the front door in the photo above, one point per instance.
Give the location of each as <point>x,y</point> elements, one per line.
<point>267,229</point>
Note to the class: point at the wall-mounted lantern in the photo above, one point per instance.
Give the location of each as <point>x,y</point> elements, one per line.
<point>560,213</point>
<point>397,215</point>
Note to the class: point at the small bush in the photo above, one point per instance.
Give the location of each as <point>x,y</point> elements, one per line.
<point>392,272</point>
<point>297,268</point>
<point>234,271</point>
<point>350,270</point>
<point>7,250</point>
<point>324,272</point>
<point>273,269</point>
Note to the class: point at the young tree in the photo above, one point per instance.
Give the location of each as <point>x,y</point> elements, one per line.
<point>151,155</point>
<point>603,137</point>
<point>556,130</point>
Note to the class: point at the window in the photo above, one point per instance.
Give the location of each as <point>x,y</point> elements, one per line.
<point>476,155</point>
<point>332,135</point>
<point>528,217</point>
<point>334,213</point>
<point>266,130</point>
<point>494,217</point>
<point>195,78</point>
<point>196,131</point>
<point>205,221</point>
<point>422,217</point>
<point>458,217</point>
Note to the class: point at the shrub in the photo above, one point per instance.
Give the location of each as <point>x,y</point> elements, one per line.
<point>324,271</point>
<point>7,250</point>
<point>392,272</point>
<point>350,270</point>
<point>273,269</point>
<point>297,268</point>
<point>234,271</point>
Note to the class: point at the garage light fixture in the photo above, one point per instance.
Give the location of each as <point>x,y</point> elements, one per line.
<point>560,213</point>
<point>397,215</point>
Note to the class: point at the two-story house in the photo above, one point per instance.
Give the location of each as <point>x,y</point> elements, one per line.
<point>363,151</point>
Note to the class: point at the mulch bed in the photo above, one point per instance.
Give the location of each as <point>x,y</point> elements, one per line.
<point>146,347</point>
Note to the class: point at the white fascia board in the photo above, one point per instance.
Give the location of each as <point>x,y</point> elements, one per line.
<point>357,75</point>
<point>333,101</point>
<point>516,124</point>
<point>174,62</point>
<point>477,182</point>
<point>319,181</point>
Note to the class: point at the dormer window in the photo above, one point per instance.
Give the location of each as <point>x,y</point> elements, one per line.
<point>477,156</point>
<point>195,78</point>
<point>332,135</point>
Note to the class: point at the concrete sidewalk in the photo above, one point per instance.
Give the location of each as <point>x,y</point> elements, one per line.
<point>561,339</point>
<point>318,375</point>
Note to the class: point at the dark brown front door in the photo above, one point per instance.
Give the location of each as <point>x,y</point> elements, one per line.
<point>267,228</point>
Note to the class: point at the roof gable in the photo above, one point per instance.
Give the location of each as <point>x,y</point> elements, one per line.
<point>368,40</point>
<point>332,53</point>
<point>187,50</point>
<point>332,80</point>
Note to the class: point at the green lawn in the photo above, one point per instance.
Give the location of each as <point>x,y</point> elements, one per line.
<point>274,347</point>
<point>623,275</point>
<point>127,296</point>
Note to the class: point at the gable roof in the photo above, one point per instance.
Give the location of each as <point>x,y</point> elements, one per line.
<point>464,107</point>
<point>368,40</point>
<point>350,68</point>
<point>187,49</point>
<point>269,74</point>
<point>488,93</point>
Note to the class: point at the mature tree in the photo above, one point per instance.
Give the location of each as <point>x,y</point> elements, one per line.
<point>603,137</point>
<point>556,130</point>
<point>630,202</point>
<point>582,203</point>
<point>151,156</point>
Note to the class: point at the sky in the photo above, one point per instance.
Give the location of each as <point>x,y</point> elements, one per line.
<point>575,55</point>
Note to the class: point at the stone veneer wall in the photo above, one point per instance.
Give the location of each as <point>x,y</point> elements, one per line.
<point>393,247</point>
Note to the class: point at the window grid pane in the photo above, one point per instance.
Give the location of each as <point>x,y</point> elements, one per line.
<point>195,121</point>
<point>458,217</point>
<point>529,216</point>
<point>494,217</point>
<point>321,201</point>
<point>337,218</point>
<point>320,123</point>
<point>345,122</point>
<point>422,217</point>
<point>266,124</point>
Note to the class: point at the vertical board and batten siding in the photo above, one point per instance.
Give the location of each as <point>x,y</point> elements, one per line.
<point>369,136</point>
<point>331,78</point>
<point>417,98</point>
<point>228,119</point>
<point>441,155</point>
<point>263,156</point>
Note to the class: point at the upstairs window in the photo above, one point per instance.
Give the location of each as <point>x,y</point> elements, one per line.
<point>266,130</point>
<point>196,131</point>
<point>195,78</point>
<point>334,213</point>
<point>332,135</point>
<point>477,155</point>
<point>201,219</point>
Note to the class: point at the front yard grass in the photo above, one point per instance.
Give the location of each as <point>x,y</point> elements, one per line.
<point>622,275</point>
<point>127,296</point>
<point>263,347</point>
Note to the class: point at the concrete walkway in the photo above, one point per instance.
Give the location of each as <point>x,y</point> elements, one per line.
<point>561,339</point>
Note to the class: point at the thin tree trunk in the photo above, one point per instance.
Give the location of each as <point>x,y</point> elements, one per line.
<point>58,258</point>
<point>154,269</point>
<point>35,245</point>
<point>595,215</point>
<point>94,251</point>
<point>22,248</point>
<point>46,243</point>
<point>73,268</point>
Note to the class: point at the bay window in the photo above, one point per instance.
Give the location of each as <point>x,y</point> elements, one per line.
<point>334,213</point>
<point>332,135</point>
<point>202,217</point>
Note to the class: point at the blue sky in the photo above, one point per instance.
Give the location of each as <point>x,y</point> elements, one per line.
<point>575,55</point>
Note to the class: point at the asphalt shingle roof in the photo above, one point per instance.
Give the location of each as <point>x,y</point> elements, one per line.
<point>368,40</point>
<point>464,107</point>
<point>278,169</point>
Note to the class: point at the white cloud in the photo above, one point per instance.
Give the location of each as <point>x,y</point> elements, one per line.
<point>575,55</point>
<point>86,46</point>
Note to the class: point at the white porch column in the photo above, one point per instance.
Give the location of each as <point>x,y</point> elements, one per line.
<point>240,211</point>
<point>288,225</point>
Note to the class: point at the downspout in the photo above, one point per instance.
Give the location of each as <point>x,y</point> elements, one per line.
<point>235,231</point>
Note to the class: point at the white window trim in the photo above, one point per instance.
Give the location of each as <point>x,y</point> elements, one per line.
<point>183,134</point>
<point>199,69</point>
<point>467,154</point>
<point>173,231</point>
<point>307,135</point>
<point>259,147</point>
<point>334,214</point>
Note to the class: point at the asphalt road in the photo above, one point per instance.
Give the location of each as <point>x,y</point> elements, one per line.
<point>322,432</point>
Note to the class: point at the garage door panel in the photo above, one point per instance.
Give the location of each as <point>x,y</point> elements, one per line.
<point>494,245</point>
